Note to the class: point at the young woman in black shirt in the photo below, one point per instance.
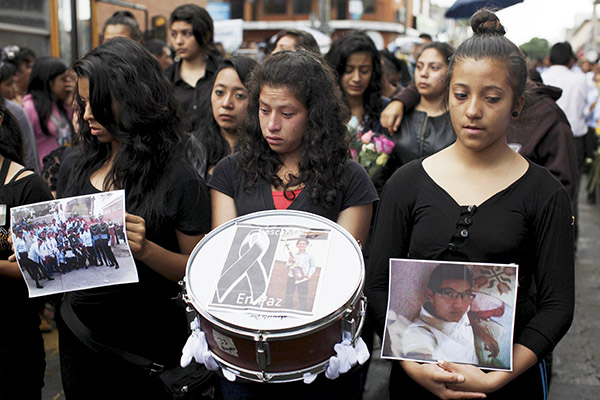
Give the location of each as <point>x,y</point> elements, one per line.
<point>293,156</point>
<point>479,201</point>
<point>132,139</point>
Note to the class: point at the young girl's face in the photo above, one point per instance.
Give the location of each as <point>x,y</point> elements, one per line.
<point>481,102</point>
<point>62,87</point>
<point>283,120</point>
<point>8,88</point>
<point>97,130</point>
<point>357,75</point>
<point>229,100</point>
<point>430,74</point>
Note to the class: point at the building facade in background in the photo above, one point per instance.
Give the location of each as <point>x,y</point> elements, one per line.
<point>69,28</point>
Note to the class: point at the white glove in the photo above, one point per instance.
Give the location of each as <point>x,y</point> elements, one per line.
<point>196,348</point>
<point>346,357</point>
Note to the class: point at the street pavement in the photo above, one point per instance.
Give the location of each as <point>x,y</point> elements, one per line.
<point>576,361</point>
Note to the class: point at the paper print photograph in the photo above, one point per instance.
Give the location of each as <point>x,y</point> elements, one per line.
<point>298,268</point>
<point>451,311</point>
<point>73,243</point>
<point>272,268</point>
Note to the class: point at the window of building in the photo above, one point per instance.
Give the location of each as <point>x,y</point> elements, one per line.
<point>26,24</point>
<point>368,6</point>
<point>302,7</point>
<point>275,7</point>
<point>237,9</point>
<point>342,9</point>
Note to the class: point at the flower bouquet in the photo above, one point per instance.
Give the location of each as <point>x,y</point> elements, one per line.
<point>371,150</point>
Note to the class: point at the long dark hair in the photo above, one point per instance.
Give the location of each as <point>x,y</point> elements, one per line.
<point>209,133</point>
<point>11,143</point>
<point>132,99</point>
<point>337,57</point>
<point>324,149</point>
<point>45,70</point>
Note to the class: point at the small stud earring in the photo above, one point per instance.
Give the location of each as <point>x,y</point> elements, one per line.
<point>515,114</point>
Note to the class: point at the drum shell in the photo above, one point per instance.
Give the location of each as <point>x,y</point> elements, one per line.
<point>287,353</point>
<point>292,351</point>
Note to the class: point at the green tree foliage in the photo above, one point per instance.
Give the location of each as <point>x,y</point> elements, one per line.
<point>536,48</point>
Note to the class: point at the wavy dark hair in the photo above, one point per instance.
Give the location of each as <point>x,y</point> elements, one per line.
<point>324,149</point>
<point>337,57</point>
<point>209,132</point>
<point>11,144</point>
<point>45,70</point>
<point>132,99</point>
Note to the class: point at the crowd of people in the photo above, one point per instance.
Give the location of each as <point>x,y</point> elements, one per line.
<point>414,159</point>
<point>59,247</point>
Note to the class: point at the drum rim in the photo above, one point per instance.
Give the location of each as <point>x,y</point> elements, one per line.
<point>274,377</point>
<point>284,333</point>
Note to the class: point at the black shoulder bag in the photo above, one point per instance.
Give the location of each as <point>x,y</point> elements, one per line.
<point>191,382</point>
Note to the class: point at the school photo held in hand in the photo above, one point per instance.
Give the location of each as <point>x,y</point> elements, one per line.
<point>73,243</point>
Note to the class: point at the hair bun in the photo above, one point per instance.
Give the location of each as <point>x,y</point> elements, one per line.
<point>485,21</point>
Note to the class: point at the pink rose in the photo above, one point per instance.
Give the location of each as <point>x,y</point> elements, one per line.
<point>366,137</point>
<point>354,154</point>
<point>387,145</point>
<point>378,144</point>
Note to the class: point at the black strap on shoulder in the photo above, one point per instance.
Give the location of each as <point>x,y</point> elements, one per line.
<point>4,170</point>
<point>14,178</point>
<point>84,334</point>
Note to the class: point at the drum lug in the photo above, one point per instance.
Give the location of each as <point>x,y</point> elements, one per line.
<point>351,328</point>
<point>348,326</point>
<point>263,355</point>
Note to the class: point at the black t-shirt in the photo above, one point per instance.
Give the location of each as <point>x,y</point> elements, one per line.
<point>143,317</point>
<point>529,223</point>
<point>19,312</point>
<point>229,179</point>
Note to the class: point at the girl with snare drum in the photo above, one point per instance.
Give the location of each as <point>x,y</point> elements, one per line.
<point>293,156</point>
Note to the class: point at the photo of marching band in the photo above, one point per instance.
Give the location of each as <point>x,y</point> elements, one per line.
<point>73,243</point>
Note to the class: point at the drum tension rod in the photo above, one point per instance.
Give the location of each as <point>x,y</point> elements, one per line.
<point>263,355</point>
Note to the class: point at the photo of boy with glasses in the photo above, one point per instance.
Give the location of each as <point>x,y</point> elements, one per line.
<point>443,330</point>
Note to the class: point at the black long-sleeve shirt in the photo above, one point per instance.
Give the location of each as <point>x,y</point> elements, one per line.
<point>529,224</point>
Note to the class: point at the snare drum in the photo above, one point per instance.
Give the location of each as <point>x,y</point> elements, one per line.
<point>261,322</point>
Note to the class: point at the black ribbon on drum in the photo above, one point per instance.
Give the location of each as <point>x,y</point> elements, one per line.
<point>247,267</point>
